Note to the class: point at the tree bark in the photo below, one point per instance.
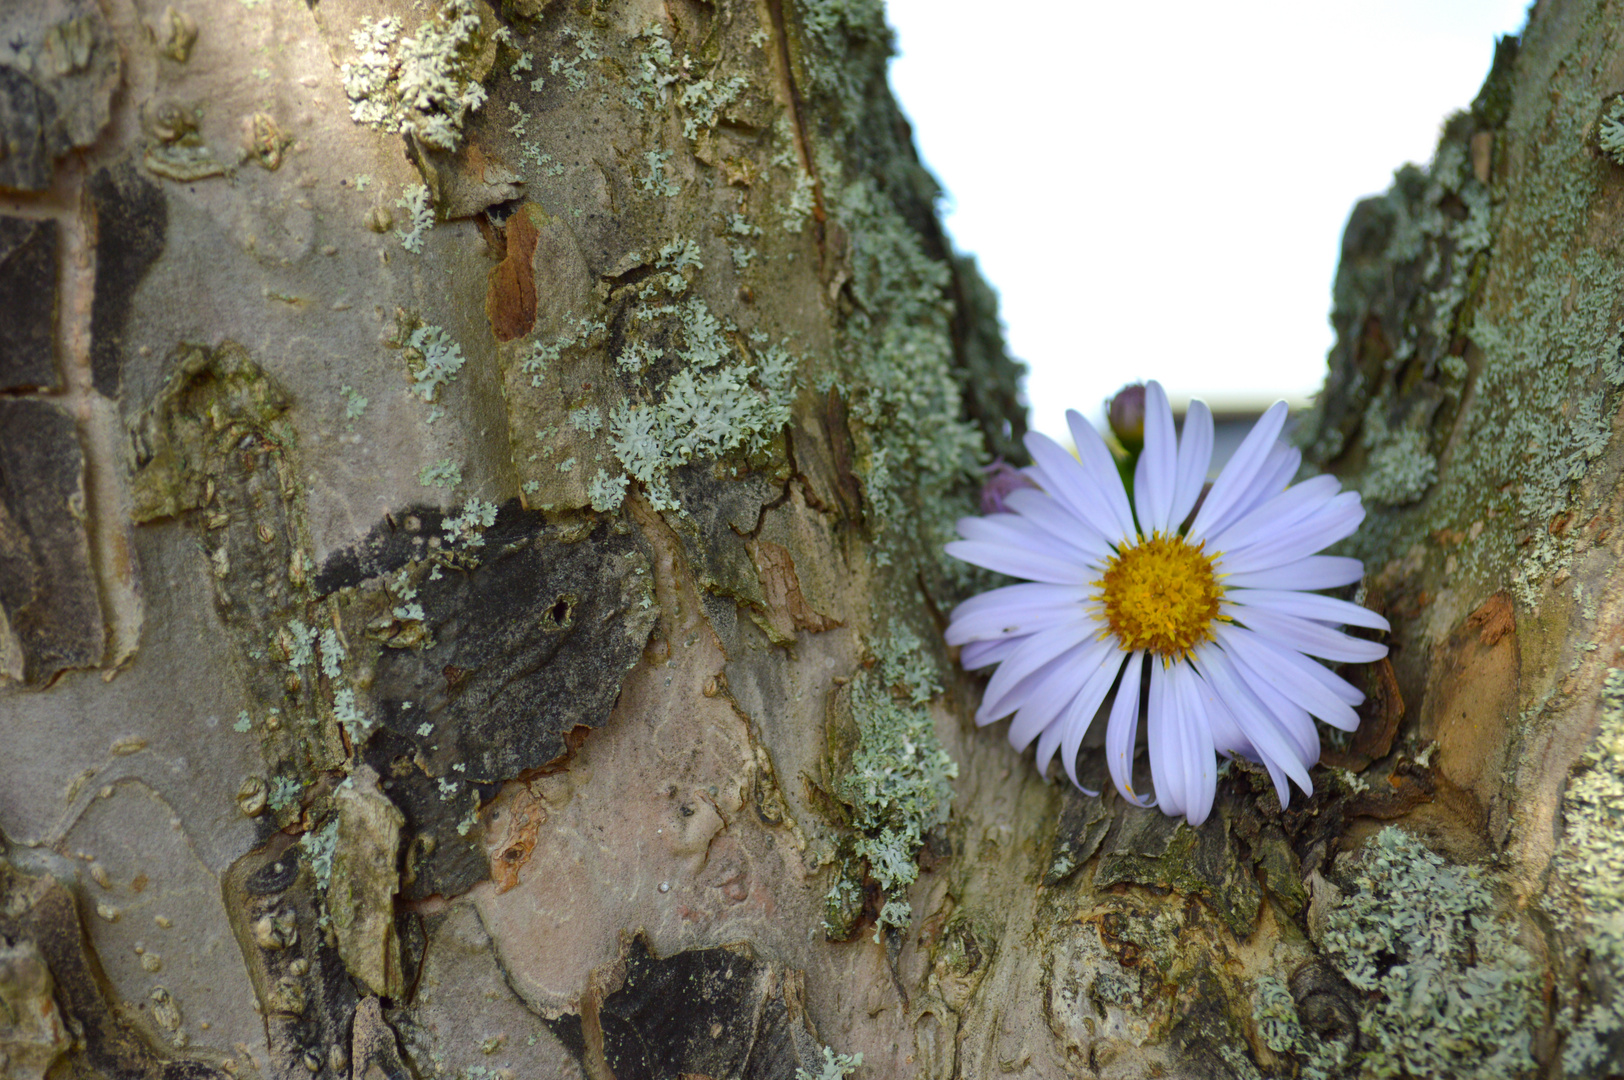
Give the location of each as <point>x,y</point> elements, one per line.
<point>472,487</point>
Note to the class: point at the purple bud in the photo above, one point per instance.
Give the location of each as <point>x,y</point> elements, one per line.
<point>1002,478</point>
<point>1126,414</point>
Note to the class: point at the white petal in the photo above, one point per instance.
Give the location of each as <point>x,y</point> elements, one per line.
<point>1159,739</point>
<point>1018,563</point>
<point>1017,596</point>
<point>978,654</point>
<point>1101,466</point>
<point>1336,684</point>
<point>1015,616</point>
<point>1276,514</point>
<point>1033,653</point>
<point>1122,730</point>
<point>1044,694</point>
<point>1195,458</point>
<point>1338,518</point>
<point>1016,531</point>
<point>1278,469</point>
<point>1197,758</point>
<point>1238,474</point>
<point>1081,713</point>
<point>1300,679</point>
<point>1314,572</point>
<point>1028,722</point>
<point>1274,744</point>
<point>1051,515</point>
<point>1074,484</point>
<point>1292,719</point>
<point>1048,743</point>
<point>1307,636</point>
<point>1219,711</point>
<point>1073,725</point>
<point>1228,737</point>
<point>1157,470</point>
<point>1304,605</point>
<point>1037,699</point>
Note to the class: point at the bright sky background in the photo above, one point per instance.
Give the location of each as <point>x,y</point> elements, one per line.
<point>1157,190</point>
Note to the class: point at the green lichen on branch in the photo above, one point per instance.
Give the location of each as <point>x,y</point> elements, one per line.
<point>1480,312</point>
<point>704,100</point>
<point>432,356</point>
<point>1281,1028</point>
<point>1449,992</point>
<point>835,1066</point>
<point>1589,906</point>
<point>721,400</point>
<point>920,465</point>
<point>899,784</point>
<point>419,207</point>
<point>854,30</point>
<point>1401,465</point>
<point>319,846</point>
<point>1610,131</point>
<point>917,344</point>
<point>906,664</point>
<point>445,473</point>
<point>425,85</point>
<point>917,330</point>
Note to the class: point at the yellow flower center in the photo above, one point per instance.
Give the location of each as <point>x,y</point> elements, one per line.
<point>1160,595</point>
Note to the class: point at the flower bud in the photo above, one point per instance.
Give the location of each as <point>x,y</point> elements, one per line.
<point>1126,415</point>
<point>1002,478</point>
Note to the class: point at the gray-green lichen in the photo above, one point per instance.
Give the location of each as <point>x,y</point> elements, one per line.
<point>903,383</point>
<point>355,404</point>
<point>722,399</point>
<point>419,207</point>
<point>1610,130</point>
<point>434,359</point>
<point>1483,318</point>
<point>1281,1028</point>
<point>444,473</point>
<point>424,85</point>
<point>319,845</point>
<point>842,28</point>
<point>284,793</point>
<point>913,339</point>
<point>705,99</point>
<point>900,780</point>
<point>835,1066</point>
<point>688,386</point>
<point>1589,902</point>
<point>1449,992</point>
<point>1401,466</point>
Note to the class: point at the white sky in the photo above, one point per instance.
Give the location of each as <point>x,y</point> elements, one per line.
<point>1157,190</point>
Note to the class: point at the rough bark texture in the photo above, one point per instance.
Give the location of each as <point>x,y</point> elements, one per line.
<point>471,497</point>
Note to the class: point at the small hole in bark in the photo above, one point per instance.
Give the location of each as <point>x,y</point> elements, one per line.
<point>558,616</point>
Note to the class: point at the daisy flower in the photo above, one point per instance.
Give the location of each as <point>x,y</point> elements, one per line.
<point>1222,611</point>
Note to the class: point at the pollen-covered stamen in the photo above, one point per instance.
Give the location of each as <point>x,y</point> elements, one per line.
<point>1160,595</point>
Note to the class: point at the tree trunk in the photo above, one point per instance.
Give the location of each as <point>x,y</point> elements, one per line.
<point>472,487</point>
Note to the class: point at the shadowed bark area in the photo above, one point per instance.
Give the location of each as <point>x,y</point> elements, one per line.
<point>472,588</point>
